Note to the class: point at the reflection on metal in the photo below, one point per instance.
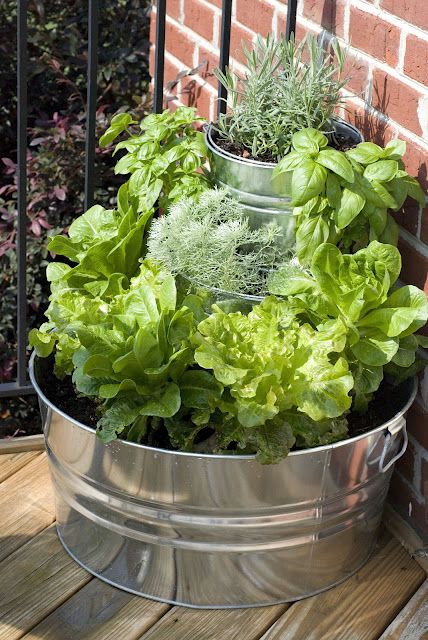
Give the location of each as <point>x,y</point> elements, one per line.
<point>218,531</point>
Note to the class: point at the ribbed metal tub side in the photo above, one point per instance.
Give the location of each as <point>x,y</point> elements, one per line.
<point>218,531</point>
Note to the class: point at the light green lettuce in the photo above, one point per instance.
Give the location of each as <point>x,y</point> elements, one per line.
<point>358,291</point>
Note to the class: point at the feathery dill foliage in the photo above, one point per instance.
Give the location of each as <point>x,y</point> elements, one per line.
<point>210,241</point>
<point>286,88</point>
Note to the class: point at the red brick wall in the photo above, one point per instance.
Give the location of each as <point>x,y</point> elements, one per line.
<point>388,97</point>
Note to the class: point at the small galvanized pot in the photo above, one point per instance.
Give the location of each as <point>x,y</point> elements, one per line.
<point>266,199</point>
<point>218,531</point>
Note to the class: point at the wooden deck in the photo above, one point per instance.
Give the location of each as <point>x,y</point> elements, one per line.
<point>45,595</point>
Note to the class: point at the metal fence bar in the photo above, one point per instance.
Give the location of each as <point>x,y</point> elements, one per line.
<point>21,236</point>
<point>290,27</point>
<point>159,56</point>
<point>91,101</point>
<point>226,21</point>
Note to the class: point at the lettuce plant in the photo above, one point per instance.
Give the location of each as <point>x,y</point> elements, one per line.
<point>165,161</point>
<point>343,197</point>
<point>353,297</point>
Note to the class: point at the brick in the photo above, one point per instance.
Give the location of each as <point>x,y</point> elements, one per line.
<point>416,161</point>
<point>216,3</point>
<point>371,126</point>
<point>400,493</point>
<point>199,96</point>
<point>152,36</point>
<point>200,17</point>
<point>173,9</point>
<point>406,464</point>
<point>413,11</point>
<point>424,478</point>
<point>179,44</point>
<point>328,14</point>
<point>414,266</point>
<point>375,36</point>
<point>212,61</point>
<point>408,216</point>
<point>417,423</point>
<point>424,225</point>
<point>416,59</point>
<point>357,70</point>
<point>257,15</point>
<point>405,501</point>
<point>396,100</point>
<point>170,75</point>
<point>239,34</point>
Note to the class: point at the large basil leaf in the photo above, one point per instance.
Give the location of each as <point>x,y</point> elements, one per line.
<point>309,140</point>
<point>351,203</point>
<point>336,162</point>
<point>308,180</point>
<point>383,170</point>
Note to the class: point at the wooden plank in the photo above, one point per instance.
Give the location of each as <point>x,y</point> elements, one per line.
<point>12,462</point>
<point>34,581</point>
<point>99,612</point>
<point>208,624</point>
<point>360,608</point>
<point>407,536</point>
<point>26,443</point>
<point>26,505</point>
<point>412,622</point>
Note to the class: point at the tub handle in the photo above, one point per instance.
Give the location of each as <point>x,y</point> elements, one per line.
<point>390,432</point>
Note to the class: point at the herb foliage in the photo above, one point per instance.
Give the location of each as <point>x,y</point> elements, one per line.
<point>211,242</point>
<point>287,87</point>
<point>343,197</point>
<point>165,161</point>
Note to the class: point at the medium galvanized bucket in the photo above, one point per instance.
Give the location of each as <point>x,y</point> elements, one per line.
<point>218,531</point>
<point>265,199</point>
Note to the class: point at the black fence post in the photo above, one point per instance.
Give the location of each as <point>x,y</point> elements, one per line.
<point>91,101</point>
<point>21,236</point>
<point>226,21</point>
<point>290,27</point>
<point>159,56</point>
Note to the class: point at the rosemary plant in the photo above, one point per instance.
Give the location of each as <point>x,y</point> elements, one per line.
<point>210,242</point>
<point>286,88</point>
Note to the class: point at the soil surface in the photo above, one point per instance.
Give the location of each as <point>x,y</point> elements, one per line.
<point>388,402</point>
<point>337,141</point>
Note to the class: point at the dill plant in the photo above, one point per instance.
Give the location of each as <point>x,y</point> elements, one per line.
<point>287,87</point>
<point>211,242</point>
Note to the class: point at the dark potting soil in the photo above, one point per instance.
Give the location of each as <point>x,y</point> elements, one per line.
<point>388,402</point>
<point>340,142</point>
<point>63,395</point>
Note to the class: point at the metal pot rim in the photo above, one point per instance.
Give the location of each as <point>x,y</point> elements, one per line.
<point>208,128</point>
<point>234,294</point>
<point>213,456</point>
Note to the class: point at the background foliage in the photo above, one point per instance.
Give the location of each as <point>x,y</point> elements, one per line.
<point>57,49</point>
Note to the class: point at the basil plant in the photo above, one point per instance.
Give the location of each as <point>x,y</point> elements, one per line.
<point>343,197</point>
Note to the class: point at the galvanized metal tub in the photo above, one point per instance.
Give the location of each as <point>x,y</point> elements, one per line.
<point>218,531</point>
<point>265,199</point>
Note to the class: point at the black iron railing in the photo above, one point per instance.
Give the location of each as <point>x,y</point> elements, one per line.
<point>21,385</point>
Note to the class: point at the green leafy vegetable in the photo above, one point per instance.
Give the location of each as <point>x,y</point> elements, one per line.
<point>165,161</point>
<point>344,197</point>
<point>355,292</point>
